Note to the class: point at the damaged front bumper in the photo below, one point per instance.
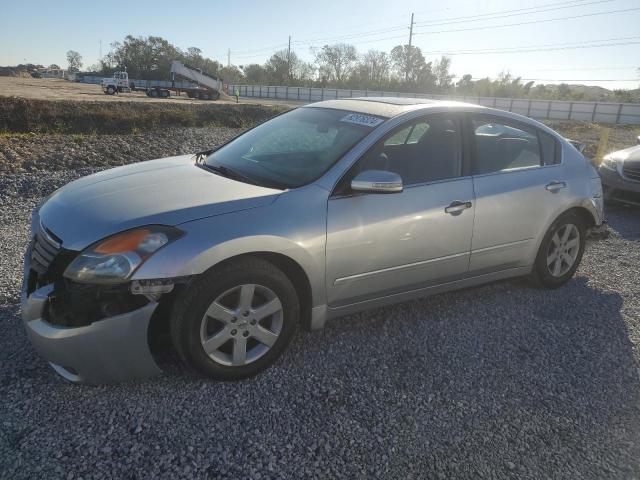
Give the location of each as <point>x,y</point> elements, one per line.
<point>110,350</point>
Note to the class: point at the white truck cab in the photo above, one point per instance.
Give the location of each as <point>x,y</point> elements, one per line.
<point>118,83</point>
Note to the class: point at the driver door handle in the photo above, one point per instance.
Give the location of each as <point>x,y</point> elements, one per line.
<point>457,207</point>
<point>555,186</point>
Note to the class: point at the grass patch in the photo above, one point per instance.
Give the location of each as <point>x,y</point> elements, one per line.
<point>19,115</point>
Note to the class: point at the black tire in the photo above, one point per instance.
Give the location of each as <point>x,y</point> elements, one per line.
<point>541,275</point>
<point>191,305</point>
<point>110,90</point>
<point>153,93</point>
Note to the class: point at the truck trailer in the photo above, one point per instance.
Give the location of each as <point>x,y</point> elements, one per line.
<point>207,87</point>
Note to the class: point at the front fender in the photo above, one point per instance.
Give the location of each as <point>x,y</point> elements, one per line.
<point>292,226</point>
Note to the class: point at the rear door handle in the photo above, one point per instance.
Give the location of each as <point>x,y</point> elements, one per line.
<point>555,186</point>
<point>457,207</point>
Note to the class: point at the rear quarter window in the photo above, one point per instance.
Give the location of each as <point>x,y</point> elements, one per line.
<point>550,149</point>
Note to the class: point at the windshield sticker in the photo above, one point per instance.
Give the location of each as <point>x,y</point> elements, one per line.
<point>364,120</point>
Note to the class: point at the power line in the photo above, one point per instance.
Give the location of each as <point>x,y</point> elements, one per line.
<point>541,47</point>
<point>498,26</point>
<point>491,13</point>
<point>583,69</point>
<point>581,79</point>
<point>531,21</point>
<point>257,52</point>
<point>352,35</point>
<point>511,13</point>
<point>471,18</point>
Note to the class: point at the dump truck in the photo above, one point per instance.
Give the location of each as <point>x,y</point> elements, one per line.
<point>206,87</point>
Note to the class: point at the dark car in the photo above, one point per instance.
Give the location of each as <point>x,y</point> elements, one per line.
<point>620,174</point>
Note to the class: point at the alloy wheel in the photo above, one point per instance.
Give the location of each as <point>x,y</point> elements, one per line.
<point>241,325</point>
<point>563,250</point>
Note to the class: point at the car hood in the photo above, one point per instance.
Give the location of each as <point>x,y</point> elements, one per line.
<point>167,191</point>
<point>628,154</point>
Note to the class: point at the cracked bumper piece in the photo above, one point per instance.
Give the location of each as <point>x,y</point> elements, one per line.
<point>107,351</point>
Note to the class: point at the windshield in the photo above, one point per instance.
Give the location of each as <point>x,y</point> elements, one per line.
<point>293,149</point>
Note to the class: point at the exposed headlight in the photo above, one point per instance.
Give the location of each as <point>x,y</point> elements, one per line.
<point>114,259</point>
<point>610,162</point>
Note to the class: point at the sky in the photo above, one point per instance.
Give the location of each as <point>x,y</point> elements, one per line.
<point>535,40</point>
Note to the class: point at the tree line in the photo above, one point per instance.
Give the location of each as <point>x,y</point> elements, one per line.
<point>403,69</point>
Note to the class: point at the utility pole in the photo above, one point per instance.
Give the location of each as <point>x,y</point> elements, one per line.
<point>406,73</point>
<point>100,54</point>
<point>228,58</point>
<point>289,62</point>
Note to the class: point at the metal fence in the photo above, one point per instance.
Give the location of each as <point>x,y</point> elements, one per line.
<point>602,112</point>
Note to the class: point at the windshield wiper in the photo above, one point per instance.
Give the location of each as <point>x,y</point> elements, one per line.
<point>233,174</point>
<point>229,173</point>
<point>202,156</point>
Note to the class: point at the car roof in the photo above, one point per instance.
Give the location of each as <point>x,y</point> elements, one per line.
<point>386,106</point>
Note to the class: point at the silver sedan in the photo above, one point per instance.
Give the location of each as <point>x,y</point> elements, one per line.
<point>325,210</point>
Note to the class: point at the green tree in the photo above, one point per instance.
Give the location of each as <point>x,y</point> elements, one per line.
<point>564,91</point>
<point>442,75</point>
<point>465,84</point>
<point>408,63</point>
<point>375,67</point>
<point>336,62</point>
<point>193,57</point>
<point>146,58</point>
<point>256,74</point>
<point>231,74</point>
<point>74,61</point>
<point>279,67</point>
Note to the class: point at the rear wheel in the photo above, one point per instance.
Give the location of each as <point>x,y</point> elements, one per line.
<point>235,321</point>
<point>110,90</point>
<point>560,252</point>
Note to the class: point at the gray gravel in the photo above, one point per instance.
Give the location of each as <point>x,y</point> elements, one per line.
<point>47,152</point>
<point>501,381</point>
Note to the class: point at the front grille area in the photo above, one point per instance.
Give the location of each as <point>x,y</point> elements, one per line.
<point>48,260</point>
<point>632,171</point>
<point>44,250</point>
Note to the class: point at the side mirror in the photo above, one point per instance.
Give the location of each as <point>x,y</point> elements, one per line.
<point>377,181</point>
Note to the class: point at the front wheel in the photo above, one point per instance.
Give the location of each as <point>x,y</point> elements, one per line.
<point>235,321</point>
<point>560,252</point>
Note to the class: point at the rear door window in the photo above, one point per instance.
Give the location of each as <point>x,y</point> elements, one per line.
<point>501,146</point>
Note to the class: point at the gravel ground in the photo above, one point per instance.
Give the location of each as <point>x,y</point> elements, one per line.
<point>501,381</point>
<point>47,152</point>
